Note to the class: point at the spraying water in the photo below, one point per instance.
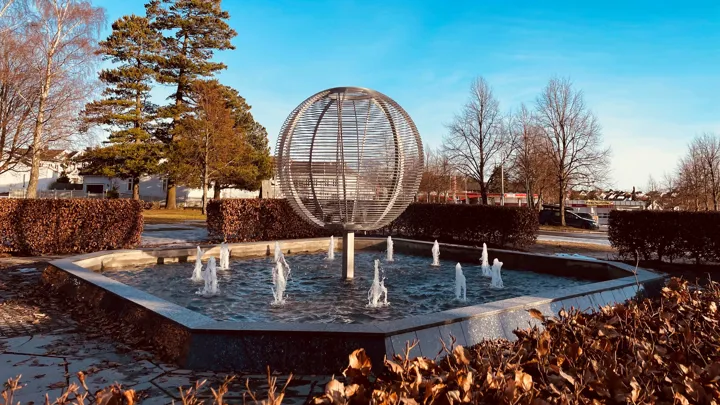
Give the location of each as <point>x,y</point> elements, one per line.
<point>436,254</point>
<point>389,249</point>
<point>280,274</point>
<point>331,249</point>
<point>224,256</point>
<point>377,290</point>
<point>278,252</point>
<point>197,272</point>
<point>460,286</point>
<point>485,265</point>
<point>210,278</point>
<point>496,281</point>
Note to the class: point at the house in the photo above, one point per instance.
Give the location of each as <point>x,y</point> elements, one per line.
<point>53,163</point>
<point>56,162</point>
<point>154,188</point>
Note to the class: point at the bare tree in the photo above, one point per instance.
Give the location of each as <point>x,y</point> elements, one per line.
<point>707,147</point>
<point>17,88</point>
<point>697,181</point>
<point>65,34</point>
<point>574,141</point>
<point>532,168</point>
<point>477,137</point>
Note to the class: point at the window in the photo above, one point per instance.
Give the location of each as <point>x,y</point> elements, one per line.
<point>165,184</point>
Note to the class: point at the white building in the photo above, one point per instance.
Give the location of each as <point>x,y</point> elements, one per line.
<point>154,188</point>
<point>56,161</point>
<point>52,164</point>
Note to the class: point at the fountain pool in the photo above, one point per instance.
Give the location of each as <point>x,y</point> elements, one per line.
<point>315,292</point>
<point>323,317</point>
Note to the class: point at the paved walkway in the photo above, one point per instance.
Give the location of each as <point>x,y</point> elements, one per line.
<point>48,348</point>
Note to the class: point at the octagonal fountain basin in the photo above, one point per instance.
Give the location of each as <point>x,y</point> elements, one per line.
<point>315,292</point>
<point>320,318</point>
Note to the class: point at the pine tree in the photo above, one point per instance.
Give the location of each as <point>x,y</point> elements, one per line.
<point>195,30</point>
<point>124,108</point>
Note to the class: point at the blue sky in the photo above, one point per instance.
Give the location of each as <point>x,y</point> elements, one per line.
<point>650,71</point>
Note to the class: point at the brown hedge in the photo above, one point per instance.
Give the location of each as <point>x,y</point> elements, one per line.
<point>251,220</point>
<point>666,235</point>
<point>245,220</point>
<point>467,224</point>
<point>48,227</point>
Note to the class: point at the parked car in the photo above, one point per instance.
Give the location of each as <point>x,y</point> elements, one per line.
<point>549,216</point>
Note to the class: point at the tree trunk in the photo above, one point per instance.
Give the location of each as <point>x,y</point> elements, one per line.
<point>562,202</point>
<point>205,170</point>
<point>216,191</point>
<point>36,146</point>
<point>136,188</point>
<point>170,202</point>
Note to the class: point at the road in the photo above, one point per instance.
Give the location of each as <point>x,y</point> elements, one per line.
<point>592,238</point>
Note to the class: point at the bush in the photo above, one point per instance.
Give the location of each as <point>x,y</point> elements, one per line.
<point>467,224</point>
<point>49,227</point>
<point>245,220</point>
<point>252,220</point>
<point>666,235</point>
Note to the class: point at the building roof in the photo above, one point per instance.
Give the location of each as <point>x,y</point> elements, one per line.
<point>52,155</point>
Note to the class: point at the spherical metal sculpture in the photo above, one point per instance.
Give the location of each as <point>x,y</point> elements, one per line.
<point>349,158</point>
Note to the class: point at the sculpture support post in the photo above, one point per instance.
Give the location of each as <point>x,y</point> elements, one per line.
<point>348,255</point>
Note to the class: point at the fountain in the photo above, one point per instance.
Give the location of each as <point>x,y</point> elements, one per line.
<point>484,262</point>
<point>224,256</point>
<point>377,290</point>
<point>197,272</point>
<point>389,250</point>
<point>278,252</point>
<point>436,254</point>
<point>331,249</point>
<point>460,285</point>
<point>210,277</point>
<point>496,281</point>
<point>280,274</point>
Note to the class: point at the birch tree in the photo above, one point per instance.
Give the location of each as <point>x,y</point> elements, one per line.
<point>65,35</point>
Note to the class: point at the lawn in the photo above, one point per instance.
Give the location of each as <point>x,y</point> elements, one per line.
<point>558,228</point>
<point>163,216</point>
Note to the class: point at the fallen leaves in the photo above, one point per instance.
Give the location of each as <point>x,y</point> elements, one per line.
<point>616,355</point>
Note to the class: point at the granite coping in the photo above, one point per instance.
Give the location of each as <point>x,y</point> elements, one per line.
<point>202,324</point>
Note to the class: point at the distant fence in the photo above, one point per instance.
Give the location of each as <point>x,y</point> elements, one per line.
<point>54,194</point>
<point>190,202</point>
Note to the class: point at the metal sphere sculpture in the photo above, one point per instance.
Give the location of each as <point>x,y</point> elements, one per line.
<point>349,158</point>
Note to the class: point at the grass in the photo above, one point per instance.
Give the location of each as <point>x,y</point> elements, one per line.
<point>163,216</point>
<point>558,228</point>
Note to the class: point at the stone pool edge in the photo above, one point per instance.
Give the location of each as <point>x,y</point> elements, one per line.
<point>198,342</point>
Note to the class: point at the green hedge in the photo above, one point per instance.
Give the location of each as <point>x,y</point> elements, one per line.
<point>666,235</point>
<point>246,220</point>
<point>49,227</point>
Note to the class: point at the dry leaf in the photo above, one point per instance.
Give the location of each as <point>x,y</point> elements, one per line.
<point>537,314</point>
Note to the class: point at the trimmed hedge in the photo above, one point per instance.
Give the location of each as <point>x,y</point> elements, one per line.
<point>467,224</point>
<point>50,227</point>
<point>253,220</point>
<point>666,235</point>
<point>245,220</point>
